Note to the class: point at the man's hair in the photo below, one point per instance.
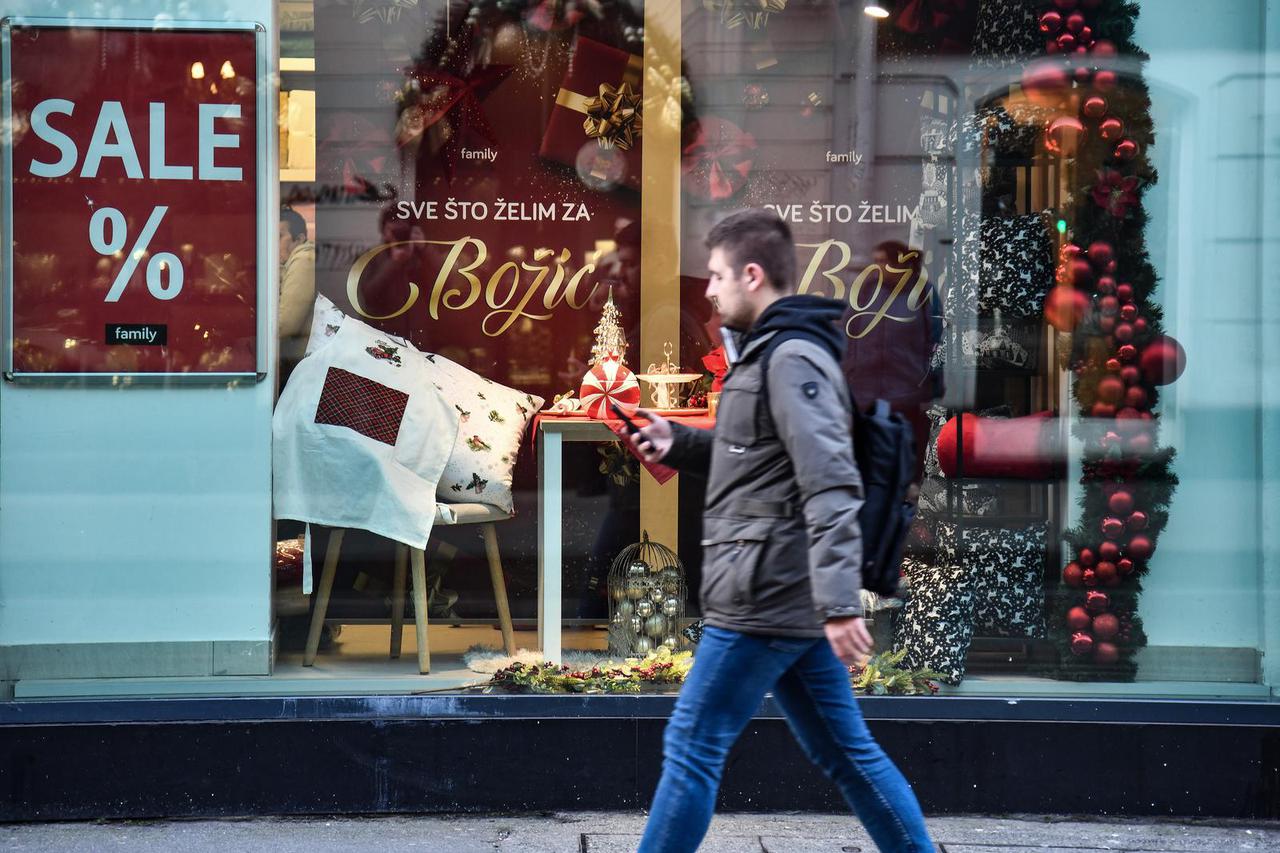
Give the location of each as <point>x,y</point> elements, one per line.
<point>297,225</point>
<point>758,236</point>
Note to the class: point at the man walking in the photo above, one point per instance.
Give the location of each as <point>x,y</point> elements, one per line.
<point>782,551</point>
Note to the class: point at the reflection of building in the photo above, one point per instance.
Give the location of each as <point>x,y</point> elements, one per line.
<point>134,520</point>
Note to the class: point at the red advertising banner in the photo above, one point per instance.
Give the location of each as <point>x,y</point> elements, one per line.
<point>133,190</point>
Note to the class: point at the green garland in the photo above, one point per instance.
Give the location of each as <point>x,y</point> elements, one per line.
<point>883,675</point>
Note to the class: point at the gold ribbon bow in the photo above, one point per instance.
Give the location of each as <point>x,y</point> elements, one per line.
<point>613,116</point>
<point>754,13</point>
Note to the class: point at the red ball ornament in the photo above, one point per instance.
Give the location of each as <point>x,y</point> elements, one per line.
<point>1070,250</point>
<point>1141,444</point>
<point>1065,5</point>
<point>1081,643</point>
<point>1110,440</point>
<point>1106,573</point>
<point>1140,326</point>
<point>1140,547</point>
<point>1112,527</point>
<point>1105,654</point>
<point>1090,577</point>
<point>1075,22</point>
<point>1129,420</point>
<point>1051,22</point>
<point>1124,566</point>
<point>1051,47</point>
<point>1103,48</point>
<point>1128,311</point>
<point>1135,397</point>
<point>1110,268</point>
<point>1137,521</point>
<point>1083,75</point>
<point>1110,389</point>
<point>1130,375</point>
<point>1095,107</point>
<point>1100,251</point>
<point>1111,128</point>
<point>1106,285</point>
<point>1121,502</point>
<point>1078,619</point>
<point>1085,37</point>
<point>1109,551</point>
<point>1087,557</point>
<point>1063,134</point>
<point>1126,149</point>
<point>1105,80</point>
<point>1109,306</point>
<point>1124,333</point>
<point>1045,80</point>
<point>1065,307</point>
<point>1127,353</point>
<point>1073,575</point>
<point>1096,602</point>
<point>1163,360</point>
<point>1066,42</point>
<point>1113,365</point>
<point>1103,410</point>
<point>1081,272</point>
<point>1106,626</point>
<point>1107,325</point>
<point>1124,292</point>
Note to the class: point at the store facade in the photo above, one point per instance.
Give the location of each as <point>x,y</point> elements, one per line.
<point>314,312</point>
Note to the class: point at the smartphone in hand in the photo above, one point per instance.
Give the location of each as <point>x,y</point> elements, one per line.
<point>632,426</point>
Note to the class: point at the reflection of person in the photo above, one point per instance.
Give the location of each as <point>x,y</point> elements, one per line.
<point>297,285</point>
<point>893,361</point>
<point>780,587</point>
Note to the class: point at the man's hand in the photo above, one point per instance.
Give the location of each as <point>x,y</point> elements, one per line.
<point>654,439</point>
<point>849,639</point>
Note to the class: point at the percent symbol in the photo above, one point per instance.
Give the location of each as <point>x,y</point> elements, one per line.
<point>105,218</point>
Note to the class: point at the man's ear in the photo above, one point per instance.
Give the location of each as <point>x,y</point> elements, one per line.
<point>754,274</point>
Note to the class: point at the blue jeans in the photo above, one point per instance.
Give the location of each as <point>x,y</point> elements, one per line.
<point>730,676</point>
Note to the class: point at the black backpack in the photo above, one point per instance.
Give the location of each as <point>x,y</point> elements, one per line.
<point>884,449</point>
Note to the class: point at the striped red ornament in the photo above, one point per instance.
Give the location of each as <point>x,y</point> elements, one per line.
<point>609,382</point>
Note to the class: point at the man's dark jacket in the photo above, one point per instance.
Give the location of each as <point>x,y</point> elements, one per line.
<point>782,549</point>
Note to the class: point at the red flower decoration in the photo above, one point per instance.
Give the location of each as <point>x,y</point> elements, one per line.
<point>714,361</point>
<point>1115,193</point>
<point>718,160</point>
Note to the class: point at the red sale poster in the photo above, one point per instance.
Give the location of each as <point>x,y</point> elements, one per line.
<point>133,189</point>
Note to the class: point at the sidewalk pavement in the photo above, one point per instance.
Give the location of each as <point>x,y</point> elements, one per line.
<point>615,832</point>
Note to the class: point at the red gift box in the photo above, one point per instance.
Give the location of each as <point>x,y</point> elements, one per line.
<point>595,126</point>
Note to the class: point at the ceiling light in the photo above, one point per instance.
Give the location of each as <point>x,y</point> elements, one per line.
<point>875,10</point>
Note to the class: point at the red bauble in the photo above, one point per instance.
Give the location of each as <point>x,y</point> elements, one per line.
<point>1078,619</point>
<point>1051,47</point>
<point>1127,353</point>
<point>1100,251</point>
<point>1050,23</point>
<point>1045,81</point>
<point>1095,108</point>
<point>1073,575</point>
<point>1124,566</point>
<point>1130,374</point>
<point>1163,360</point>
<point>1108,551</point>
<point>1110,440</point>
<point>1066,42</point>
<point>1140,547</point>
<point>1110,268</point>
<point>1105,80</point>
<point>1112,527</point>
<point>1065,307</point>
<point>1109,306</point>
<point>1106,654</point>
<point>1104,48</point>
<point>1106,285</point>
<point>1103,410</point>
<point>1096,602</point>
<point>1128,311</point>
<point>1111,128</point>
<point>1063,134</point>
<point>1129,420</point>
<point>1113,365</point>
<point>1137,521</point>
<point>1065,5</point>
<point>1083,75</point>
<point>1070,250</point>
<point>1110,389</point>
<point>1124,292</point>
<point>1126,149</point>
<point>1106,626</point>
<point>1081,272</point>
<point>1085,36</point>
<point>1140,326</point>
<point>1087,557</point>
<point>1135,397</point>
<point>1106,325</point>
<point>1106,573</point>
<point>1121,502</point>
<point>1081,643</point>
<point>1141,444</point>
<point>1075,22</point>
<point>1124,333</point>
<point>1090,577</point>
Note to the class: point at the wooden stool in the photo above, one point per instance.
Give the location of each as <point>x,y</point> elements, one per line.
<point>481,514</point>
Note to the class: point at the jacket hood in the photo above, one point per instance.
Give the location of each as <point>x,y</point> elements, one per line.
<point>816,315</point>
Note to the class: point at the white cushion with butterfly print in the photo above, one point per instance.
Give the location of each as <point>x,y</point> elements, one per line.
<point>494,419</point>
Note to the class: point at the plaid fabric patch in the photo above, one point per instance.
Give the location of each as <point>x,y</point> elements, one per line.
<point>361,404</point>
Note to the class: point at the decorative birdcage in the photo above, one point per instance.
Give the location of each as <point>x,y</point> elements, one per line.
<point>647,595</point>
